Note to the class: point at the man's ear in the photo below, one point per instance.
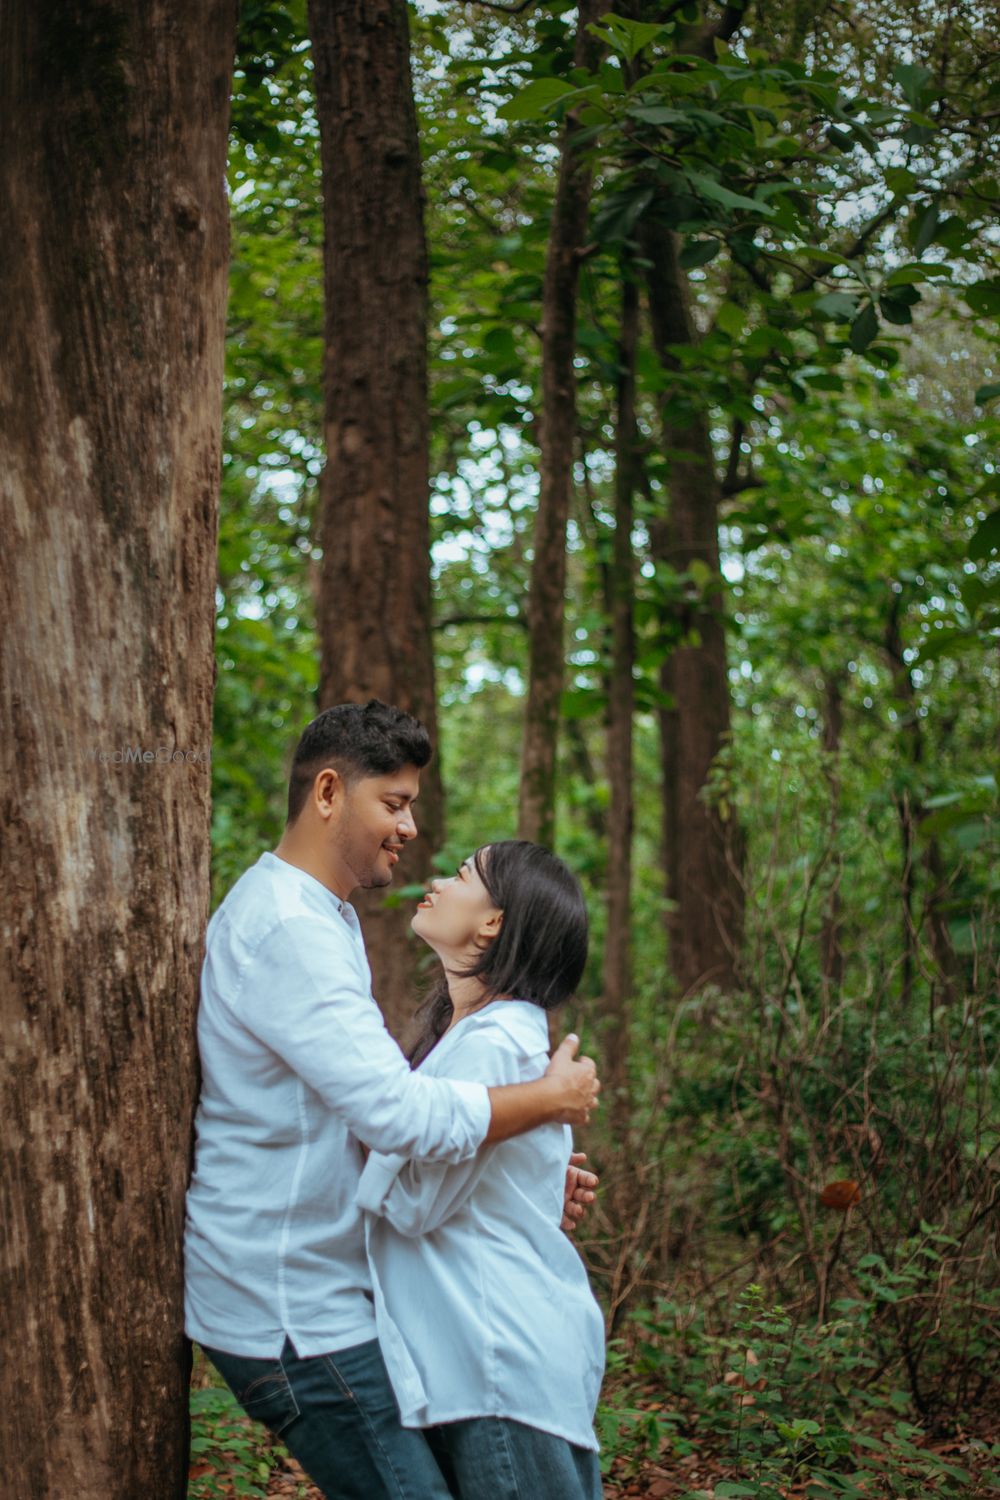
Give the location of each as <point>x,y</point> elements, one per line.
<point>327,791</point>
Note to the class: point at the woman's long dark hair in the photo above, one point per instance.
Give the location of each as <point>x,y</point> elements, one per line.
<point>541,949</point>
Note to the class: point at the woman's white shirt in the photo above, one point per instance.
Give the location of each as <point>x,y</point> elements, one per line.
<point>482,1304</point>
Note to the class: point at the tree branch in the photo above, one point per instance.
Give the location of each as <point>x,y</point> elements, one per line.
<point>518,619</point>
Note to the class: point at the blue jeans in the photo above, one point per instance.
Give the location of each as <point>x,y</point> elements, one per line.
<point>336,1413</point>
<point>494,1458</point>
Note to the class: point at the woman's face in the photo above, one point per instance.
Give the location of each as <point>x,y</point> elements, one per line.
<point>458,915</point>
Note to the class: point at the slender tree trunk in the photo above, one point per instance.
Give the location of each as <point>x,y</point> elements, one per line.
<point>702,848</point>
<point>911,812</point>
<point>617,976</point>
<point>375,604</point>
<point>831,948</point>
<point>113,284</point>
<point>546,596</point>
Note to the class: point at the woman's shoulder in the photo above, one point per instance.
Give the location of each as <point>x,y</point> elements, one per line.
<point>521,1024</point>
<point>515,1029</point>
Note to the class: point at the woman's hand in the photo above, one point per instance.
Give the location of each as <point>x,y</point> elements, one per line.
<point>580,1189</point>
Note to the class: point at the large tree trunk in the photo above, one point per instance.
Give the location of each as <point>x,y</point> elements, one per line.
<point>113,285</point>
<point>375,593</point>
<point>546,595</point>
<point>702,848</point>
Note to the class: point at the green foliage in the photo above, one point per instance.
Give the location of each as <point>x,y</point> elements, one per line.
<point>781,1404</point>
<point>226,1452</point>
<point>831,186</point>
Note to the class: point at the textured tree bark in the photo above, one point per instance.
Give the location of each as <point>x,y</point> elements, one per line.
<point>546,594</point>
<point>113,284</point>
<point>375,589</point>
<point>617,972</point>
<point>702,850</point>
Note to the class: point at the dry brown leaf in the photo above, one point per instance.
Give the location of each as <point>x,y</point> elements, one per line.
<point>842,1195</point>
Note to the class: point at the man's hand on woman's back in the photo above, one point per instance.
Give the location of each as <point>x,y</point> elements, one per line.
<point>579,1081</point>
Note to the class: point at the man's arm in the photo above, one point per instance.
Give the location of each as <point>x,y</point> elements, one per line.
<point>417,1197</point>
<point>304,1002</point>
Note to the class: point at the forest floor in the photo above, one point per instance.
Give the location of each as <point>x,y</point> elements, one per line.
<point>631,1478</point>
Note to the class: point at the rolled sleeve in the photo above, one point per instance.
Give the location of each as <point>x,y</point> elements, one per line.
<point>305,996</point>
<point>416,1197</point>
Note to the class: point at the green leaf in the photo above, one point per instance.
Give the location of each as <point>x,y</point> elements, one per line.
<point>986,538</point>
<point>922,227</point>
<point>912,79</point>
<point>658,114</point>
<point>987,393</point>
<point>840,305</point>
<point>500,341</point>
<point>700,252</point>
<point>900,181</point>
<point>864,329</point>
<point>536,99</point>
<point>984,298</point>
<point>625,36</point>
<point>709,188</point>
<point>730,319</point>
<point>896,304</point>
<point>582,703</point>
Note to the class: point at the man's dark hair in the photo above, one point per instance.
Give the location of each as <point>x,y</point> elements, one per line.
<point>356,740</point>
<point>540,952</point>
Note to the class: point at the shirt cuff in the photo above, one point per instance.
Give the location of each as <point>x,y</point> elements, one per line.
<point>377,1178</point>
<point>476,1098</point>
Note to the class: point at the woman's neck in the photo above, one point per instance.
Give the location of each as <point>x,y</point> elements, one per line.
<point>466,995</point>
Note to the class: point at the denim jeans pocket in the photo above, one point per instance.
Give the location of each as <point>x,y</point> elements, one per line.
<point>269,1399</point>
<point>260,1386</point>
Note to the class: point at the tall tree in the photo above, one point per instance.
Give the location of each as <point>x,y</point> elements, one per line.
<point>374,611</point>
<point>702,863</point>
<point>113,281</point>
<point>546,596</point>
<point>617,967</point>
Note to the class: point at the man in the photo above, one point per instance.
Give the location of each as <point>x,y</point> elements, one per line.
<point>298,1073</point>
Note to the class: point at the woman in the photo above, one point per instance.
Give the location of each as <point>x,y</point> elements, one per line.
<point>492,1337</point>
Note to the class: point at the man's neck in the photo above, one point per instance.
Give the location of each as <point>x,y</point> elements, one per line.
<point>304,856</point>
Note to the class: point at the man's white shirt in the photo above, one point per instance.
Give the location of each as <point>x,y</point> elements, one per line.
<point>483,1304</point>
<point>297,1068</point>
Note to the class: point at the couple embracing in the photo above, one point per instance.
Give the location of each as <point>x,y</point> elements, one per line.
<point>375,1255</point>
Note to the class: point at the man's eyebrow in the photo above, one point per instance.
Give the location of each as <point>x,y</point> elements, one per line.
<point>404,796</point>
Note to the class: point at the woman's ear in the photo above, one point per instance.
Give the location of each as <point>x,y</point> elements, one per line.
<point>489,927</point>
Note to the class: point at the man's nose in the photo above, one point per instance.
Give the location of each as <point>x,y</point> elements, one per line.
<point>406,825</point>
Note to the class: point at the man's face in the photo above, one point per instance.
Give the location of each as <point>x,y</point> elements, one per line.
<point>376,821</point>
